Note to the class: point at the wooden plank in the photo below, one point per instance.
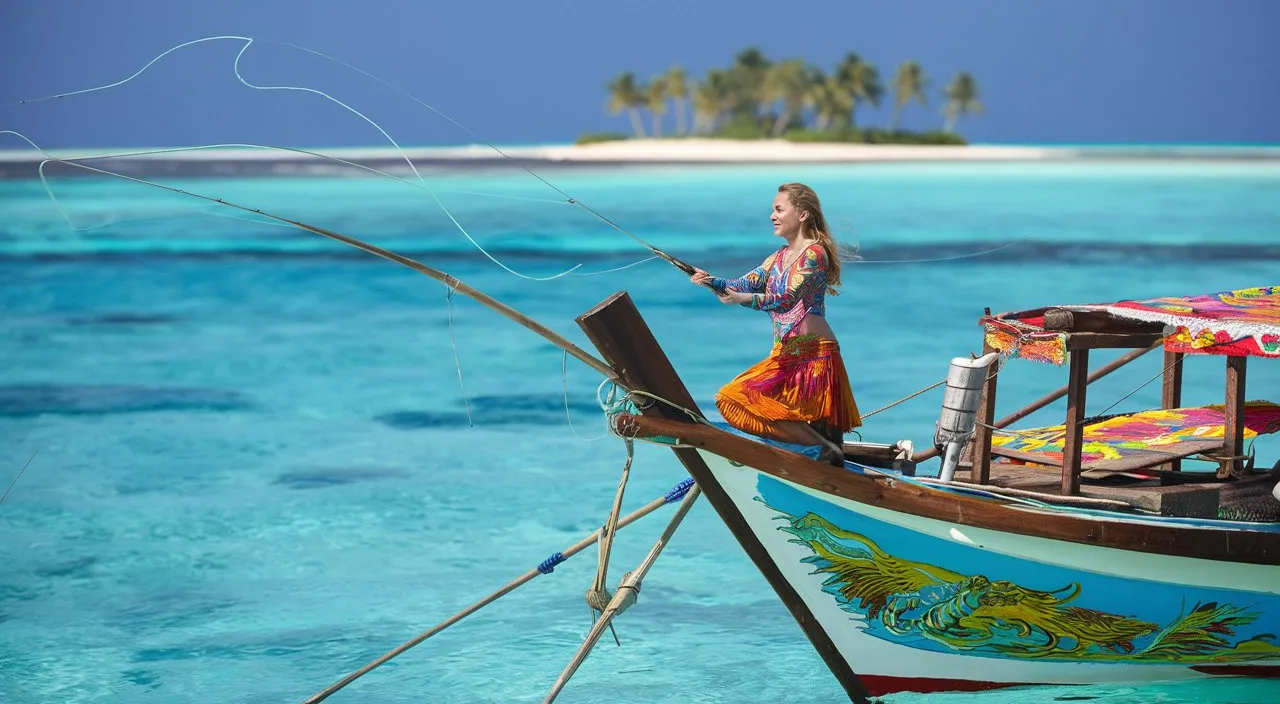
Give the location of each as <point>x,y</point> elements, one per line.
<point>1171,394</point>
<point>894,494</point>
<point>1077,383</point>
<point>981,444</point>
<point>1106,340</point>
<point>625,341</point>
<point>1095,321</point>
<point>1233,422</point>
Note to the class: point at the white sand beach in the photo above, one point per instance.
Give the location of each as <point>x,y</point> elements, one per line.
<point>782,151</point>
<point>248,160</point>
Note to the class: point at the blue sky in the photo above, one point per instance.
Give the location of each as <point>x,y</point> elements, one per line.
<point>1049,70</point>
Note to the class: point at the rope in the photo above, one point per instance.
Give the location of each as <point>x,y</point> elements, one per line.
<point>999,367</point>
<point>547,566</point>
<point>905,399</point>
<point>1143,385</point>
<point>625,596</point>
<point>598,595</point>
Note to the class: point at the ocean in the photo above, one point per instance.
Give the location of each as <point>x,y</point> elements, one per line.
<point>259,459</point>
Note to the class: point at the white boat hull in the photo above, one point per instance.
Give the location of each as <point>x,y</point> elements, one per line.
<point>920,604</point>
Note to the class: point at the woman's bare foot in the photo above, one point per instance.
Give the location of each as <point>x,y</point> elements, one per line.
<point>832,454</point>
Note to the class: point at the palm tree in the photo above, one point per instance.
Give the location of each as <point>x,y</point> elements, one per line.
<point>678,91</point>
<point>962,99</point>
<point>861,80</point>
<point>789,83</point>
<point>710,99</point>
<point>832,104</point>
<point>750,67</point>
<point>908,84</point>
<point>624,94</point>
<point>656,100</point>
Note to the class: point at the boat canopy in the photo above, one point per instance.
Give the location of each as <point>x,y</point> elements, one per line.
<point>1240,323</point>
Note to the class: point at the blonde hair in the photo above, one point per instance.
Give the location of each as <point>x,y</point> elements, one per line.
<point>805,200</point>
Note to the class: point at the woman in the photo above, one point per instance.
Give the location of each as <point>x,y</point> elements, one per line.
<point>800,392</point>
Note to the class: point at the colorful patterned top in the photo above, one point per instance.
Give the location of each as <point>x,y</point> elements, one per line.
<point>788,291</point>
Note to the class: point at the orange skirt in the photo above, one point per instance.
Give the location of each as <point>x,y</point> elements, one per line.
<point>802,379</point>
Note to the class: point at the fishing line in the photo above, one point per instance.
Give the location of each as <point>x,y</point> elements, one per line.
<point>248,42</point>
<point>239,145</point>
<point>457,363</point>
<point>938,259</point>
<point>44,180</point>
<point>245,145</point>
<point>17,477</point>
<point>851,254</point>
<point>569,200</point>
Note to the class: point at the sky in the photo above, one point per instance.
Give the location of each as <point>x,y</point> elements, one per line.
<point>1049,71</point>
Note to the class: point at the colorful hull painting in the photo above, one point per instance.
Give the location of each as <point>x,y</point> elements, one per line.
<point>919,604</point>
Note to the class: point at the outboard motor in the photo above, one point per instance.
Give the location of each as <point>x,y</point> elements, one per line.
<point>960,408</point>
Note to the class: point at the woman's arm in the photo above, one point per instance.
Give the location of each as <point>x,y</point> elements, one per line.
<point>808,273</point>
<point>751,282</point>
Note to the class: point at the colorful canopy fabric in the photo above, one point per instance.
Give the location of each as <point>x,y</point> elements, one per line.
<point>1244,322</point>
<point>1136,440</point>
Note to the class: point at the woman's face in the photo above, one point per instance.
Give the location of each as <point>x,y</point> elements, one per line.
<point>786,218</point>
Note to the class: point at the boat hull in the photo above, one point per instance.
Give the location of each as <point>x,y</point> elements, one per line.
<point>915,603</point>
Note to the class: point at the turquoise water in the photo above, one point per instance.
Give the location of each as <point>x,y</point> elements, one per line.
<point>256,469</point>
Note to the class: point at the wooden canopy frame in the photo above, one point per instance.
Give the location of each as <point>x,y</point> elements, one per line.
<point>1088,330</point>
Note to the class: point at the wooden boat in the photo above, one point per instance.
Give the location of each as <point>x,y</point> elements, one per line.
<point>1011,572</point>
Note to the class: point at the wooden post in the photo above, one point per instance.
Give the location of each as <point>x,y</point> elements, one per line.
<point>1233,420</point>
<point>1077,384</point>
<point>981,473</point>
<point>625,341</point>
<point>1171,396</point>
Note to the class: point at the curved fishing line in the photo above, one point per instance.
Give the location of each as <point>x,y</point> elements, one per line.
<point>248,41</point>
<point>569,200</point>
<point>457,285</point>
<point>938,259</point>
<point>686,268</point>
<point>245,145</point>
<point>852,253</point>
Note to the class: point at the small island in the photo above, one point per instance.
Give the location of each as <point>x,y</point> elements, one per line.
<point>793,100</point>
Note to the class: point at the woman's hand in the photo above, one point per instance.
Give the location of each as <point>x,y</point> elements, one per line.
<point>729,297</point>
<point>701,278</point>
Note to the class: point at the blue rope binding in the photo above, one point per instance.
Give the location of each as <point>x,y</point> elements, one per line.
<point>548,565</point>
<point>678,491</point>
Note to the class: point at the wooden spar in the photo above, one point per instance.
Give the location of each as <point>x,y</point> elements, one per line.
<point>1048,399</point>
<point>1171,394</point>
<point>1074,431</point>
<point>616,328</point>
<point>453,283</point>
<point>1233,418</point>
